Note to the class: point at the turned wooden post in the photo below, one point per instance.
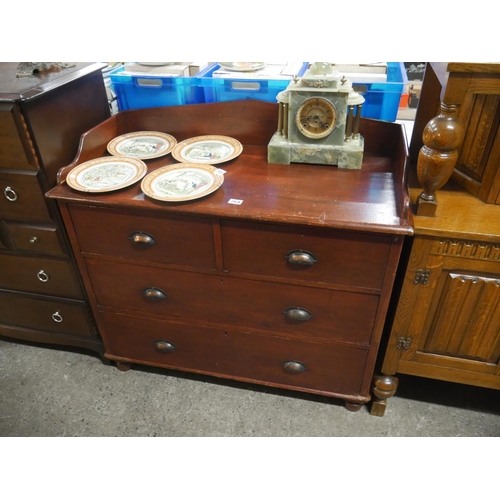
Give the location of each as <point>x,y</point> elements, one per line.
<point>384,387</point>
<point>438,156</point>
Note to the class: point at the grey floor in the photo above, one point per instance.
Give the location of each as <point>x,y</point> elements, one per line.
<point>49,392</point>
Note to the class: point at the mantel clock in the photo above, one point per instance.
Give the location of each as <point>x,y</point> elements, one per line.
<point>318,121</point>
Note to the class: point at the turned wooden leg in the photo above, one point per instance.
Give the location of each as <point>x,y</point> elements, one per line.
<point>123,367</point>
<point>384,387</point>
<point>353,406</point>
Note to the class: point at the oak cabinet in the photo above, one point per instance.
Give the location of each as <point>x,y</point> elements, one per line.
<point>447,321</point>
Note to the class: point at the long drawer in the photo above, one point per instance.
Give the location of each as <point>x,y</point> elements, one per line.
<point>305,253</point>
<point>68,317</point>
<point>291,310</point>
<point>39,275</point>
<point>21,197</point>
<point>257,358</point>
<point>167,239</point>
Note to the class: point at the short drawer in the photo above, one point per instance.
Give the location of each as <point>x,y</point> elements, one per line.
<point>39,275</point>
<point>69,317</point>
<point>304,253</point>
<point>257,358</point>
<point>35,238</point>
<point>167,239</point>
<point>21,197</point>
<point>289,310</point>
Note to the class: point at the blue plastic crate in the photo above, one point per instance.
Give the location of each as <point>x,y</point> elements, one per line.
<point>150,91</point>
<point>382,99</point>
<point>236,89</point>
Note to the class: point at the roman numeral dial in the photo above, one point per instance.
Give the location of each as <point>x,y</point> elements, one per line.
<point>316,118</point>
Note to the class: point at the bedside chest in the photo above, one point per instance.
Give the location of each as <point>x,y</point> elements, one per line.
<point>447,319</point>
<point>447,323</point>
<point>289,289</point>
<point>41,120</point>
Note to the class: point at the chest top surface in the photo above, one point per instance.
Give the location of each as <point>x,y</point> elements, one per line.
<point>372,199</point>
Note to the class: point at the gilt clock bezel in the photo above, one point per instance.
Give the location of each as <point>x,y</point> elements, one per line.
<point>320,102</point>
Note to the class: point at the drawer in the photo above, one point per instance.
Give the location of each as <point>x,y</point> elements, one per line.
<point>21,197</point>
<point>42,313</point>
<point>328,256</point>
<point>331,369</point>
<point>167,239</point>
<point>289,310</point>
<point>35,238</point>
<point>13,153</point>
<point>39,275</point>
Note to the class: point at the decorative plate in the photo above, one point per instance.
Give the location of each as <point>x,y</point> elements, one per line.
<point>182,182</point>
<point>210,149</point>
<point>106,174</point>
<point>142,145</point>
<point>242,66</point>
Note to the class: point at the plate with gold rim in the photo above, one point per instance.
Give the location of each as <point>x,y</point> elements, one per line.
<point>242,66</point>
<point>209,149</point>
<point>142,145</point>
<point>182,182</point>
<point>109,173</point>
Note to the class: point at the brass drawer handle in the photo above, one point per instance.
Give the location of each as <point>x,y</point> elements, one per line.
<point>154,294</point>
<point>43,276</point>
<point>57,317</point>
<point>33,239</point>
<point>301,258</point>
<point>164,346</point>
<point>297,314</point>
<point>10,194</point>
<point>293,366</point>
<point>142,239</point>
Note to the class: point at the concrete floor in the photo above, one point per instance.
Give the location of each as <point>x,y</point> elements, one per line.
<point>49,392</point>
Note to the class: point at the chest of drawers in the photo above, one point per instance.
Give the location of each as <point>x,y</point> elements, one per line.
<point>288,289</point>
<point>42,117</point>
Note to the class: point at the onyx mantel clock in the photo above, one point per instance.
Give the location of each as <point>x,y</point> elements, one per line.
<point>318,121</point>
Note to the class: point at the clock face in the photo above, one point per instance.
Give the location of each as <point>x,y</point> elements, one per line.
<point>316,118</point>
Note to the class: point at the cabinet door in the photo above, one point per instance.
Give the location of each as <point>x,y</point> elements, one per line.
<point>448,322</point>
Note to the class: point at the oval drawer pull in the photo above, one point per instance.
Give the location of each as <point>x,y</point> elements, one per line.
<point>294,366</point>
<point>164,346</point>
<point>42,276</point>
<point>154,294</point>
<point>301,258</point>
<point>142,239</point>
<point>57,317</point>
<point>10,194</point>
<point>33,239</point>
<point>297,314</point>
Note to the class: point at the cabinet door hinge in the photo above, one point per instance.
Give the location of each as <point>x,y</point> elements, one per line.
<point>403,343</point>
<point>422,276</point>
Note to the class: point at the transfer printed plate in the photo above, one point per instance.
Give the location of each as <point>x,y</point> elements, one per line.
<point>142,145</point>
<point>106,174</point>
<point>182,182</point>
<point>209,149</point>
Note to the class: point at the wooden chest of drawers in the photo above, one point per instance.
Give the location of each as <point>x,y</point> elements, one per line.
<point>289,289</point>
<point>42,298</point>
